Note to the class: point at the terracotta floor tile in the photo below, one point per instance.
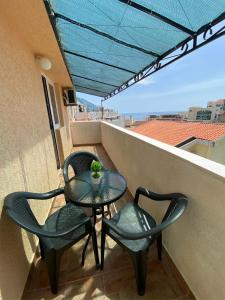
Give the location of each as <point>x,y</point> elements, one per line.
<point>89,288</point>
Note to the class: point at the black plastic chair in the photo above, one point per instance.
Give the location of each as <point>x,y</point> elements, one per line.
<point>135,230</point>
<point>80,162</point>
<point>61,230</point>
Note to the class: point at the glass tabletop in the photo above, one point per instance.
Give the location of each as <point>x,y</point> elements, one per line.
<point>84,190</point>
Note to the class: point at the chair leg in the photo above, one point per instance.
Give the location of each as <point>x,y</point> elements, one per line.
<point>140,267</point>
<point>159,246</point>
<point>84,250</point>
<point>52,259</point>
<point>41,250</point>
<point>102,246</point>
<point>95,247</point>
<point>109,211</point>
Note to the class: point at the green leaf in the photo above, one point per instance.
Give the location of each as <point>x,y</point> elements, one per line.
<point>96,166</point>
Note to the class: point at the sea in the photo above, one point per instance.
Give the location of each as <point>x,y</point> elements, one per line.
<point>140,116</point>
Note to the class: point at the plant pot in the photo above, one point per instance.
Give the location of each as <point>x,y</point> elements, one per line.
<point>96,182</point>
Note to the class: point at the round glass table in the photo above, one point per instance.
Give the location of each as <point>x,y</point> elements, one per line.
<point>84,190</point>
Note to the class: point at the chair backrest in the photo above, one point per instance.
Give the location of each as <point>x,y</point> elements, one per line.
<point>18,209</point>
<point>174,212</point>
<point>79,161</point>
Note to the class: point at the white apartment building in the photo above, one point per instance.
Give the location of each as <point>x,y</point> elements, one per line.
<point>214,112</point>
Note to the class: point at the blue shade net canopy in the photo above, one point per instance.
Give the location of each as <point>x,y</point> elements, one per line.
<point>110,44</point>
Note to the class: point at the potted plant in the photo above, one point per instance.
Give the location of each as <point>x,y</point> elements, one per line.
<point>96,167</point>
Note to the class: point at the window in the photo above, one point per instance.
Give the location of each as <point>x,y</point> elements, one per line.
<point>48,99</point>
<point>204,115</point>
<point>53,106</point>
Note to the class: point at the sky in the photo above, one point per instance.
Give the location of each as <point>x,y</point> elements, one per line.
<point>193,80</point>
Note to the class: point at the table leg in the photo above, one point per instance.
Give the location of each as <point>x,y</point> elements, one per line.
<point>109,211</point>
<point>94,215</point>
<point>88,239</point>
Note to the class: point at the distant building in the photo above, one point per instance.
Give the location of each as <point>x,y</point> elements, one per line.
<point>204,139</point>
<point>82,113</point>
<point>221,117</point>
<point>79,112</point>
<point>218,108</point>
<point>216,103</point>
<point>169,117</point>
<point>165,117</point>
<point>215,111</point>
<point>195,112</point>
<point>152,117</point>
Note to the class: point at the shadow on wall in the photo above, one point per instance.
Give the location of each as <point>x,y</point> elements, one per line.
<point>11,238</point>
<point>27,162</point>
<point>101,153</point>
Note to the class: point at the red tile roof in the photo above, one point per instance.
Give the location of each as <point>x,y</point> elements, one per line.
<point>175,132</point>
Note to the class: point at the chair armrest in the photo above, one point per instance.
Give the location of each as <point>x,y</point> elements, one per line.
<point>40,231</point>
<point>128,235</point>
<point>154,196</point>
<point>173,213</point>
<point>65,173</point>
<point>44,196</point>
<point>10,198</point>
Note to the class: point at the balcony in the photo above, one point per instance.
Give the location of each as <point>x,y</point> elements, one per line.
<point>117,281</point>
<point>189,260</point>
<point>33,147</point>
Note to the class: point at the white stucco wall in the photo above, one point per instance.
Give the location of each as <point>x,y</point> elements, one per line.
<point>217,152</point>
<point>213,151</point>
<point>27,159</point>
<point>86,132</point>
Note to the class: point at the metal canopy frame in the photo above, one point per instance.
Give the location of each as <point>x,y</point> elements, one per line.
<point>84,87</point>
<point>195,40</point>
<point>204,36</point>
<point>94,80</point>
<point>98,61</point>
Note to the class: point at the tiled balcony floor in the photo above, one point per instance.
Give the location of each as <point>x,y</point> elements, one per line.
<point>117,281</point>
